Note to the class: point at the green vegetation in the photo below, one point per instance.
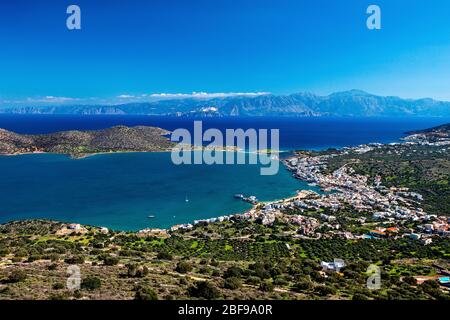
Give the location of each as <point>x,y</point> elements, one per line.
<point>205,290</point>
<point>422,169</point>
<point>145,293</point>
<point>91,283</point>
<point>260,265</point>
<point>81,143</point>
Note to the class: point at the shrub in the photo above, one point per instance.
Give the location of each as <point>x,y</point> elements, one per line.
<point>164,255</point>
<point>58,286</point>
<point>359,296</point>
<point>410,280</point>
<point>17,276</point>
<point>266,286</point>
<point>59,296</point>
<point>3,251</point>
<point>253,280</point>
<point>135,270</point>
<point>183,267</point>
<point>74,260</point>
<point>214,263</point>
<point>91,283</point>
<point>5,290</point>
<point>303,285</point>
<point>232,283</point>
<point>215,273</point>
<point>54,257</point>
<point>204,289</point>
<point>33,258</point>
<point>52,267</point>
<point>233,272</point>
<point>324,290</point>
<point>110,261</point>
<point>280,281</point>
<point>145,293</point>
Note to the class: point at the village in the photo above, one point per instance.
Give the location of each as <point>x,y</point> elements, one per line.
<point>392,212</point>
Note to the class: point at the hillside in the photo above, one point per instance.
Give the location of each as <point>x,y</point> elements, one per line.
<point>349,103</point>
<point>437,134</point>
<point>80,143</point>
<point>443,130</point>
<point>205,263</point>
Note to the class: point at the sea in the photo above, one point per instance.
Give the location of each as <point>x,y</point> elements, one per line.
<point>134,191</point>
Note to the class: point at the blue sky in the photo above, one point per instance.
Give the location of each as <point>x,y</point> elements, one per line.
<point>135,47</point>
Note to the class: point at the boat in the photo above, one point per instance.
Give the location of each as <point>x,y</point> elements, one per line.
<point>251,199</point>
<point>239,196</point>
<point>151,216</point>
<point>186,199</point>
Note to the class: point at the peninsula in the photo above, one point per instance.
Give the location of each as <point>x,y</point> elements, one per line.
<point>82,143</point>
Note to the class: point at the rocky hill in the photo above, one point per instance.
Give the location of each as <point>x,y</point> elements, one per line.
<point>81,143</point>
<point>442,129</point>
<point>440,133</point>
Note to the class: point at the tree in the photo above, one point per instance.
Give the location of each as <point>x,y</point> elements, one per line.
<point>204,289</point>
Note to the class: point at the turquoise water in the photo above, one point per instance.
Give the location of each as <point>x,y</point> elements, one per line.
<point>120,191</point>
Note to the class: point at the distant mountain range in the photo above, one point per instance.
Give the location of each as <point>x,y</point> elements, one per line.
<point>354,103</point>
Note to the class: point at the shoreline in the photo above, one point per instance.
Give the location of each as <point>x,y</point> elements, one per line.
<point>213,219</point>
<point>167,228</point>
<point>156,151</point>
<point>296,194</point>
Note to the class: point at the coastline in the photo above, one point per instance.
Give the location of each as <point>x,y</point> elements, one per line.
<point>85,155</point>
<point>253,208</point>
<point>236,209</point>
<point>189,221</point>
